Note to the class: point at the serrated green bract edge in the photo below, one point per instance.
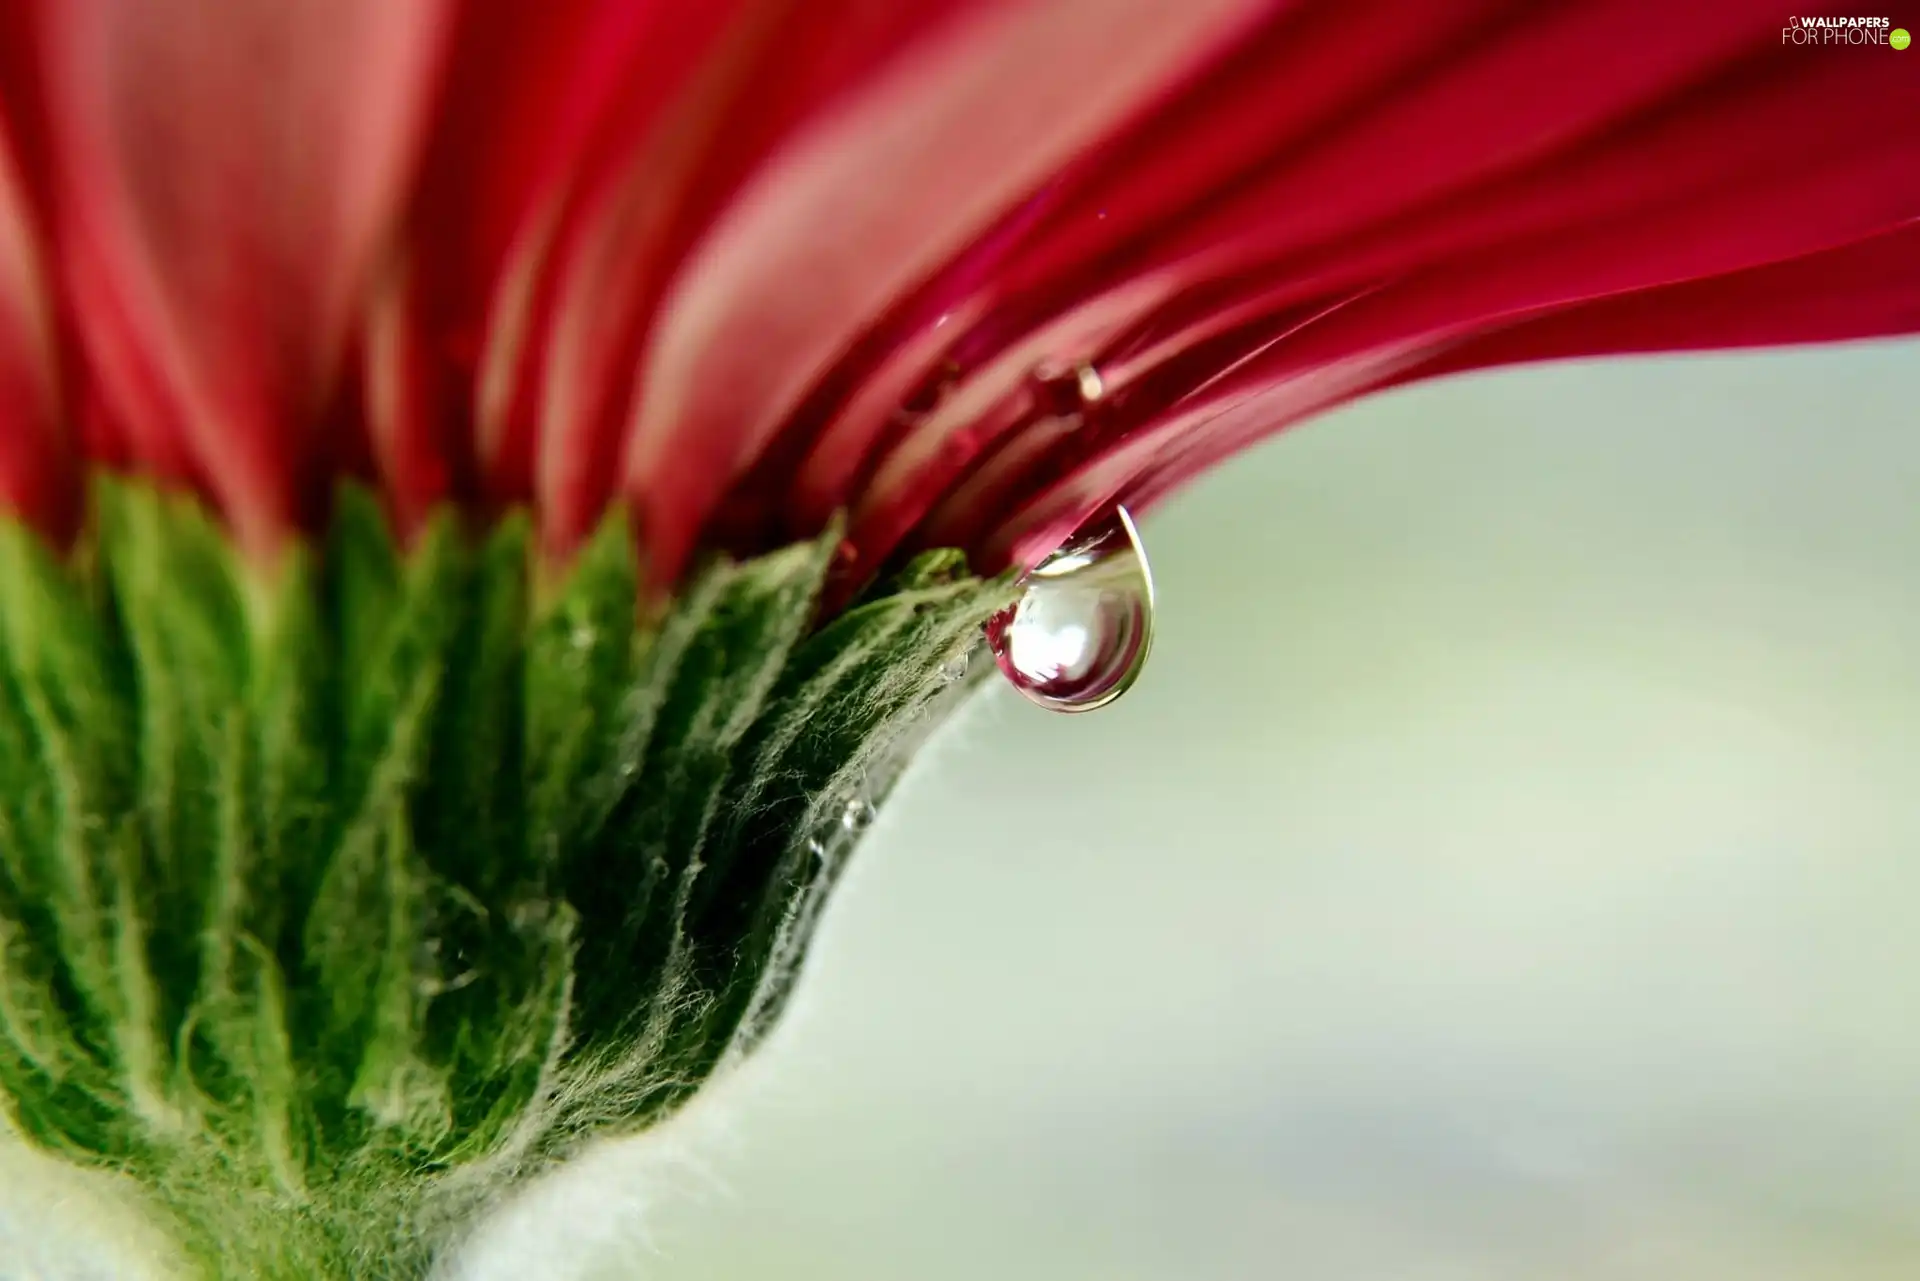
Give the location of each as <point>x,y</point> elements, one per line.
<point>332,905</point>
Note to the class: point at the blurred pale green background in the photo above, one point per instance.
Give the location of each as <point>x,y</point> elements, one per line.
<point>1508,869</point>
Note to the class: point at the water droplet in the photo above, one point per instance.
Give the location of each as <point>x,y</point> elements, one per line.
<point>1064,391</point>
<point>955,668</point>
<point>1079,634</point>
<point>857,816</point>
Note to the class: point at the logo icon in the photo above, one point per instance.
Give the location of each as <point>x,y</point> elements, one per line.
<point>1826,29</point>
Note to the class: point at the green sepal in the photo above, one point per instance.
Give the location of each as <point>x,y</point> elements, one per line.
<point>335,897</point>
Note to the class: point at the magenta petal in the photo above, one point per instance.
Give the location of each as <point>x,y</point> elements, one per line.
<point>533,93</point>
<point>225,173</point>
<point>1862,289</point>
<point>1524,164</point>
<point>774,68</point>
<point>1865,289</point>
<point>750,262</point>
<point>38,471</point>
<point>871,201</point>
<point>406,409</point>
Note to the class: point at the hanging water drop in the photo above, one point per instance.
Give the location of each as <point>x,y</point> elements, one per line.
<point>1078,636</point>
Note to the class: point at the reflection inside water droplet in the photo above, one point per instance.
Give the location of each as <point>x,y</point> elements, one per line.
<point>1079,634</point>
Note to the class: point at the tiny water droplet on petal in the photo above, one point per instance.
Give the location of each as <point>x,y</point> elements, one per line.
<point>1065,391</point>
<point>1079,634</point>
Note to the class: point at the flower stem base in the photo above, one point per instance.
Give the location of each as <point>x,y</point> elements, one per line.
<point>336,898</point>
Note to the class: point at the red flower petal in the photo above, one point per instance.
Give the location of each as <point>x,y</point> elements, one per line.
<point>38,471</point>
<point>533,92</point>
<point>630,126</point>
<point>1864,289</point>
<point>1402,205</point>
<point>749,262</point>
<point>223,174</point>
<point>868,204</point>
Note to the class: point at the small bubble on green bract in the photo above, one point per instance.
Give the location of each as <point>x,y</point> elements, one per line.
<point>1899,38</point>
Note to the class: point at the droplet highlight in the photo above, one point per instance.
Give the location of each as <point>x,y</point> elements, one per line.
<point>857,815</point>
<point>1067,391</point>
<point>1078,636</point>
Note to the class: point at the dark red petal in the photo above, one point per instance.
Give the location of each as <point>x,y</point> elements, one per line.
<point>868,203</point>
<point>1864,289</point>
<point>581,150</point>
<point>38,469</point>
<point>1350,116</point>
<point>224,173</point>
<point>533,92</point>
<point>1861,290</point>
<point>779,66</point>
<point>1528,160</point>
<point>407,405</point>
